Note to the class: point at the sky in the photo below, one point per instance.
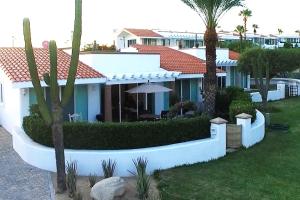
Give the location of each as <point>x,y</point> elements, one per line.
<point>53,19</point>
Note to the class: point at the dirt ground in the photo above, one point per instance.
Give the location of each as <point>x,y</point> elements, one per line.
<point>84,189</point>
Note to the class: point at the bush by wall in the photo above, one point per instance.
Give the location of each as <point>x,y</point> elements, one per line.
<point>110,136</point>
<point>241,106</point>
<point>225,97</point>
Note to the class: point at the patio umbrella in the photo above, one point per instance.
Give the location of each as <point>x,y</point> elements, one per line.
<point>148,88</point>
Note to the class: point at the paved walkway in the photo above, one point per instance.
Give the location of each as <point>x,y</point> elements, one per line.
<point>19,180</point>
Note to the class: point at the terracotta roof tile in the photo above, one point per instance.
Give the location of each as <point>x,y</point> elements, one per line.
<point>13,62</point>
<point>234,55</point>
<point>143,32</point>
<point>173,60</point>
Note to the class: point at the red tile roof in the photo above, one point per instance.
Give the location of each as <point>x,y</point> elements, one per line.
<point>14,64</point>
<point>143,32</point>
<point>234,55</point>
<point>173,60</point>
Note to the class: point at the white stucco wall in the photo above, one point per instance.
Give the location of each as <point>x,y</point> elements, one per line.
<point>222,54</point>
<point>272,95</point>
<point>252,133</point>
<point>122,63</point>
<point>159,157</point>
<point>11,110</point>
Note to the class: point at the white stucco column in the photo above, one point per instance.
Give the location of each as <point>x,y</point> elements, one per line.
<point>94,104</point>
<point>218,132</point>
<point>281,89</point>
<point>245,120</point>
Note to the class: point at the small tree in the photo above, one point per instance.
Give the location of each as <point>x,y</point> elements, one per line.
<point>54,117</point>
<point>255,27</point>
<point>264,64</point>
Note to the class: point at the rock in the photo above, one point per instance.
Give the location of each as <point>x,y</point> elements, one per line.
<point>108,189</point>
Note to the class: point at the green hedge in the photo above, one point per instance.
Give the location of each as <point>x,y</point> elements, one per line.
<point>241,106</point>
<point>225,97</point>
<point>84,135</point>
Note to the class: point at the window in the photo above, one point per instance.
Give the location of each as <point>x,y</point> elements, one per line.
<point>147,41</point>
<point>1,93</point>
<point>131,42</point>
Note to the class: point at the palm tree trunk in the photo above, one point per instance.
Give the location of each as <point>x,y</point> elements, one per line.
<point>57,136</point>
<point>210,78</point>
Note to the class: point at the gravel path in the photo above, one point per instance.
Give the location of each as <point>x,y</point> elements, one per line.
<point>19,180</point>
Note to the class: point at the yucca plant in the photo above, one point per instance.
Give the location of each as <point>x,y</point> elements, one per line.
<point>71,178</point>
<point>108,168</point>
<point>92,180</point>
<point>143,180</point>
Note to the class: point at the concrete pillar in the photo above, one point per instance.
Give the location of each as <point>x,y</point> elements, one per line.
<point>94,101</point>
<point>281,88</point>
<point>245,120</point>
<point>107,104</point>
<point>218,132</point>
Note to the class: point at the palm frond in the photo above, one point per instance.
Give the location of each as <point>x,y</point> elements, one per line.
<point>211,11</point>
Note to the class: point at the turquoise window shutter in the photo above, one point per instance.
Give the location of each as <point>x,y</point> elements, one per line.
<point>32,97</point>
<point>81,101</point>
<point>194,90</point>
<point>166,98</point>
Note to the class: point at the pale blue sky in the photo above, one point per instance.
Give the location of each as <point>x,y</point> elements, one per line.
<point>53,19</point>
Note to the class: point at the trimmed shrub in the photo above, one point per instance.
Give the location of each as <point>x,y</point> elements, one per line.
<point>226,96</point>
<point>128,135</point>
<point>238,107</point>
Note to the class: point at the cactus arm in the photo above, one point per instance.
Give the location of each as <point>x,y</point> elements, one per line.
<point>75,53</point>
<point>54,89</point>
<point>34,73</point>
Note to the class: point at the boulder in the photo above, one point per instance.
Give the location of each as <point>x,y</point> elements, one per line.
<point>108,189</point>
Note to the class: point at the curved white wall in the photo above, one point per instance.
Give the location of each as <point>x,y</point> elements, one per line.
<point>164,157</point>
<point>159,157</point>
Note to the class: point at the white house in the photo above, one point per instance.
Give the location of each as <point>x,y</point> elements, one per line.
<point>17,92</point>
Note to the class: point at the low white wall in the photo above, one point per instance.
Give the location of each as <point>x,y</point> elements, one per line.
<point>252,133</point>
<point>272,95</point>
<point>159,157</point>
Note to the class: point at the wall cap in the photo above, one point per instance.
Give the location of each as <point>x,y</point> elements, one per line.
<point>218,121</point>
<point>244,116</point>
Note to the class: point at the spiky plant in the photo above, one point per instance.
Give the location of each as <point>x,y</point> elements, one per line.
<point>210,11</point>
<point>71,169</point>
<point>143,180</point>
<point>108,168</point>
<point>54,117</point>
<point>92,180</point>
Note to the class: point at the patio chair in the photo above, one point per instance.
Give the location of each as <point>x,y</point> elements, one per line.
<point>74,117</point>
<point>164,114</point>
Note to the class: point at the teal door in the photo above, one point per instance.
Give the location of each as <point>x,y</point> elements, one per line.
<point>81,101</point>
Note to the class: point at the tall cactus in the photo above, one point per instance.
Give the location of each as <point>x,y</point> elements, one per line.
<point>54,117</point>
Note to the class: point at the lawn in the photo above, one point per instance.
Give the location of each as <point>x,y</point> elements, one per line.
<point>269,170</point>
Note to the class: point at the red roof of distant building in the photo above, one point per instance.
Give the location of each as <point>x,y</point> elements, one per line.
<point>234,55</point>
<point>14,64</point>
<point>143,32</point>
<point>173,60</point>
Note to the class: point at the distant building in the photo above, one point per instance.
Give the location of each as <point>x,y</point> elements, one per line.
<point>175,39</point>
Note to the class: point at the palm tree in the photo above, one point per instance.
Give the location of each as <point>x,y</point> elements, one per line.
<point>280,31</point>
<point>240,30</point>
<point>255,27</point>
<point>245,14</point>
<point>210,11</point>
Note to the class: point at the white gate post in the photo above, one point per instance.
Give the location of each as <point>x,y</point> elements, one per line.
<point>245,120</point>
<point>281,88</point>
<point>218,131</point>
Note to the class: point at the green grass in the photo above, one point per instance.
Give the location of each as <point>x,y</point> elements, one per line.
<point>269,170</point>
